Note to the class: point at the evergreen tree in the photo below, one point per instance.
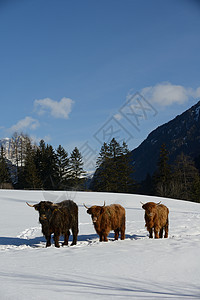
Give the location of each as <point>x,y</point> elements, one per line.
<point>4,172</point>
<point>104,155</point>
<point>31,174</point>
<point>196,190</point>
<point>162,176</point>
<point>63,167</point>
<point>76,168</point>
<point>146,186</point>
<point>125,171</point>
<point>114,171</point>
<point>115,149</point>
<point>185,178</point>
<point>46,164</point>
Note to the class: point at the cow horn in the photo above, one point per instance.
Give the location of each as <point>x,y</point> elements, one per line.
<point>30,204</point>
<point>158,203</point>
<point>142,203</point>
<point>85,206</point>
<point>104,203</point>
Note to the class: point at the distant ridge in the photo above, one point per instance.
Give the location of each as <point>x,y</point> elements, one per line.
<point>182,134</point>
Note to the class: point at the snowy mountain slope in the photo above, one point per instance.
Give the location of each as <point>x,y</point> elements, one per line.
<point>136,268</point>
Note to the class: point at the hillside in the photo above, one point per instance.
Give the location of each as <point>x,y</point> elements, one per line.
<point>136,268</point>
<point>181,134</point>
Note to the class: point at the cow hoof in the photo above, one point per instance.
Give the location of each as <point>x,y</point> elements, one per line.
<point>64,244</point>
<point>73,244</point>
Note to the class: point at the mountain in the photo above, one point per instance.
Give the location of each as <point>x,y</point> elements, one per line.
<point>182,134</point>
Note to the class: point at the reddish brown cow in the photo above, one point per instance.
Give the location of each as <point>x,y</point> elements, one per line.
<point>156,217</point>
<point>107,218</point>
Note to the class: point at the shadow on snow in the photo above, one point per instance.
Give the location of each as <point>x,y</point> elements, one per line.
<point>34,242</point>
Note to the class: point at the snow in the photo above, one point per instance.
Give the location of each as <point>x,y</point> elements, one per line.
<point>136,268</point>
<point>197,110</point>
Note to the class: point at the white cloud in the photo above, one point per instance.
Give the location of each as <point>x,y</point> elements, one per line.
<point>36,139</point>
<point>60,109</point>
<point>24,124</point>
<point>166,94</point>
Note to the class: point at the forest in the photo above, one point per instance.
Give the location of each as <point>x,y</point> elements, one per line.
<point>43,167</point>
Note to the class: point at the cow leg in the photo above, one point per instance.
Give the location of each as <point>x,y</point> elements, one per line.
<point>116,234</point>
<point>100,237</point>
<point>56,240</point>
<point>166,229</point>
<point>105,238</point>
<point>48,240</point>
<point>151,233</point>
<point>75,233</point>
<point>161,233</point>
<point>122,232</point>
<point>156,233</point>
<point>66,238</point>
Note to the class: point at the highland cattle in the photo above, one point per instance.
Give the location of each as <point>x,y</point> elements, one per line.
<point>156,218</point>
<point>107,218</point>
<point>58,218</point>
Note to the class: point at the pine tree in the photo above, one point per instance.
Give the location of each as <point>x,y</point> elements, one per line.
<point>100,181</point>
<point>185,178</point>
<point>114,171</point>
<point>4,172</point>
<point>63,167</point>
<point>146,186</point>
<point>32,178</point>
<point>162,176</point>
<point>125,171</point>
<point>115,149</point>
<point>76,168</point>
<point>104,155</point>
<point>196,190</point>
<point>46,165</point>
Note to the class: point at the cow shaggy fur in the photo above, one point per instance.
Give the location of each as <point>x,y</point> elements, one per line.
<point>107,218</point>
<point>156,217</point>
<point>58,218</point>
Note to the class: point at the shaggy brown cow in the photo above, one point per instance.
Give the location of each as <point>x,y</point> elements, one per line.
<point>156,217</point>
<point>58,219</point>
<point>107,218</point>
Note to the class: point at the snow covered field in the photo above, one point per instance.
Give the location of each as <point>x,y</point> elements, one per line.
<point>136,268</point>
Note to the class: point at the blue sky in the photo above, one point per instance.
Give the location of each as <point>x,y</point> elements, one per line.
<point>78,73</point>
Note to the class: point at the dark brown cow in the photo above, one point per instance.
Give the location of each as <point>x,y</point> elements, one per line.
<point>156,217</point>
<point>107,218</point>
<point>58,218</point>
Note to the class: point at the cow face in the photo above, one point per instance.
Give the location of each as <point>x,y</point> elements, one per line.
<point>150,209</point>
<point>95,212</point>
<point>45,209</point>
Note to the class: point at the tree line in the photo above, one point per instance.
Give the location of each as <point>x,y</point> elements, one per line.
<point>42,167</point>
<point>114,170</point>
<point>179,180</point>
<point>115,173</point>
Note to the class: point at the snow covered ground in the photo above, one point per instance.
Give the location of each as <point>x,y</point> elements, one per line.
<point>136,268</point>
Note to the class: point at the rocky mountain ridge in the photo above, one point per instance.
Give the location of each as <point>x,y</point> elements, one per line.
<point>182,134</point>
